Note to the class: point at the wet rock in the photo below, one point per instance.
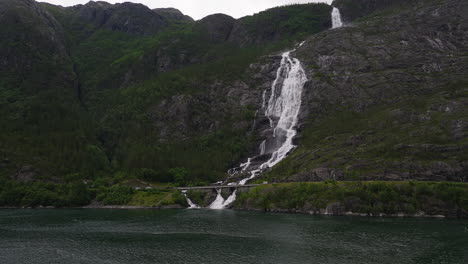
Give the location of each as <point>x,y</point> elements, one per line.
<point>335,209</point>
<point>26,173</point>
<point>226,192</point>
<point>354,140</point>
<point>318,174</point>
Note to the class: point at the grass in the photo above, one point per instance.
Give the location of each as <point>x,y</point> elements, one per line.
<point>77,193</point>
<point>157,197</point>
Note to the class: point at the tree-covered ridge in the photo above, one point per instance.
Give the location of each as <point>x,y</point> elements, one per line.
<point>91,105</point>
<point>291,21</point>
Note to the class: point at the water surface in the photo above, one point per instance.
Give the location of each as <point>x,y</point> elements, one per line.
<point>209,236</point>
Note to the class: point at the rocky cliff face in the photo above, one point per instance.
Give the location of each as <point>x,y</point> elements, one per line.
<point>217,27</point>
<point>182,116</point>
<point>128,17</point>
<point>31,33</point>
<point>173,14</point>
<point>387,98</point>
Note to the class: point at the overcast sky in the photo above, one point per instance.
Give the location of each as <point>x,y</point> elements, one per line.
<point>201,8</point>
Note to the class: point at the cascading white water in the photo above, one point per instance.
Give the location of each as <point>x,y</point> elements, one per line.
<point>336,18</point>
<point>191,204</point>
<point>282,109</point>
<point>220,203</point>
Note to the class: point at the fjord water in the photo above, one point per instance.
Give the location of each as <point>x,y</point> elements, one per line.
<point>224,236</point>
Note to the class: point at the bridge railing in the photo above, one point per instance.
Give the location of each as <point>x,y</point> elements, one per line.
<point>217,187</point>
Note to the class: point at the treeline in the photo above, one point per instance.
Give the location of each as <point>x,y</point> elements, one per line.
<point>104,191</point>
<point>22,194</point>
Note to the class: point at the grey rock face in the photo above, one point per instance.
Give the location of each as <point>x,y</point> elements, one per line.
<point>32,27</point>
<point>26,173</point>
<point>388,60</point>
<point>181,116</point>
<point>127,17</point>
<point>318,174</point>
<point>217,27</point>
<point>342,64</point>
<point>173,14</point>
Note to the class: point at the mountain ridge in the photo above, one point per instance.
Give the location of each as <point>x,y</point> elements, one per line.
<point>86,98</point>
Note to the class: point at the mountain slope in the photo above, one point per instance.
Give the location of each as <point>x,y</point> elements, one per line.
<point>39,101</point>
<point>387,98</point>
<point>144,95</point>
<point>87,98</point>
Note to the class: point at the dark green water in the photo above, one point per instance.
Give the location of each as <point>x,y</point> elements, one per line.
<point>205,236</point>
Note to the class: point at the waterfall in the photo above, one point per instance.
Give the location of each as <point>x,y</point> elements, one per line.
<point>220,203</point>
<point>282,109</point>
<point>191,204</point>
<point>336,18</point>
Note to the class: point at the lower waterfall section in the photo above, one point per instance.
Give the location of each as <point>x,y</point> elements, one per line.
<point>191,204</point>
<point>220,202</point>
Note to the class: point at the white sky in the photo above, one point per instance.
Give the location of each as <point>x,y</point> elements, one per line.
<point>200,8</point>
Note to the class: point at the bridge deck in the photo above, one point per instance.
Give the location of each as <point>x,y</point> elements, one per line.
<point>216,187</point>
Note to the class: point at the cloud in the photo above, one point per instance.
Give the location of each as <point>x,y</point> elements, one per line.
<point>201,8</point>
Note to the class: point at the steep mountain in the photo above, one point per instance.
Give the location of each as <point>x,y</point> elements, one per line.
<point>135,19</point>
<point>386,98</point>
<point>39,106</point>
<point>30,36</point>
<point>150,86</point>
<point>112,94</point>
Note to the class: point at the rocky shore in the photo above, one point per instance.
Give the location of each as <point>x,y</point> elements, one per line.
<point>392,199</point>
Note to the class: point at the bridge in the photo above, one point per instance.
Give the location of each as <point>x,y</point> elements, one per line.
<point>248,186</point>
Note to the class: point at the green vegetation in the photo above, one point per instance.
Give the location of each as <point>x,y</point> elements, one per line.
<point>116,195</point>
<point>158,197</point>
<point>198,197</point>
<point>76,194</point>
<point>361,197</point>
<point>84,109</point>
<point>20,194</point>
<point>289,22</point>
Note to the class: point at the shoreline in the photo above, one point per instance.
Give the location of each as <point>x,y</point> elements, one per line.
<point>381,215</point>
<point>105,207</point>
<point>279,211</point>
<point>131,207</point>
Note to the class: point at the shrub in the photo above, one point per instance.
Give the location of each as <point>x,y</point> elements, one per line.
<point>116,195</point>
